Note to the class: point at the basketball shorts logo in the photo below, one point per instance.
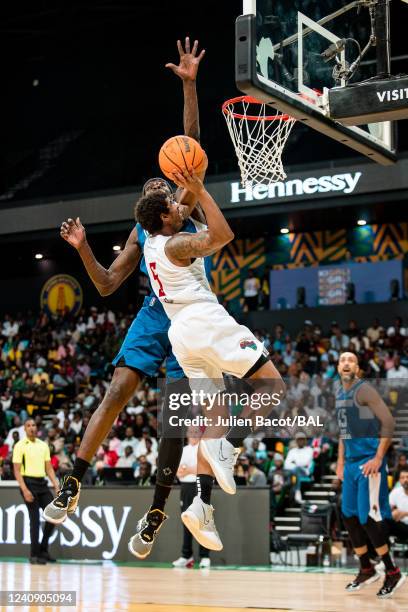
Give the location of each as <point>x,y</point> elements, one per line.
<point>167,471</point>
<point>248,344</point>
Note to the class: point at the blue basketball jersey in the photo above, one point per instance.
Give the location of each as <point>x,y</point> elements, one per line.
<point>358,425</point>
<point>187,227</point>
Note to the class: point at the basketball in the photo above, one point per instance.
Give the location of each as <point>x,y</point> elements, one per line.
<point>180,153</point>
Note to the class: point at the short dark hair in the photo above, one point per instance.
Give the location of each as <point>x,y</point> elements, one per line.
<point>154,180</point>
<point>148,210</point>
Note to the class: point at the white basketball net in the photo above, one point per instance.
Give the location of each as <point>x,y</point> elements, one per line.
<point>258,138</point>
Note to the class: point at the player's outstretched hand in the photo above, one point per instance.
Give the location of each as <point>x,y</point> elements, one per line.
<point>189,181</point>
<point>372,466</point>
<point>189,61</point>
<point>73,232</point>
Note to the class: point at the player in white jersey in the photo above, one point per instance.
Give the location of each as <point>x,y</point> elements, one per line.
<point>206,340</point>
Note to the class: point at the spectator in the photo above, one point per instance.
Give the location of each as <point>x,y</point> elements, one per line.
<point>254,476</point>
<point>17,427</point>
<point>129,440</point>
<point>76,423</point>
<point>402,464</point>
<point>141,448</point>
<point>399,506</point>
<point>128,460</point>
<point>338,341</point>
<point>145,478</point>
<point>398,373</point>
<point>278,479</point>
<point>299,462</point>
<point>374,331</point>
<point>252,286</point>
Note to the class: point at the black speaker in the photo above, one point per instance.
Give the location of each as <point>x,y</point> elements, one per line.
<point>394,290</point>
<point>300,297</point>
<point>350,293</point>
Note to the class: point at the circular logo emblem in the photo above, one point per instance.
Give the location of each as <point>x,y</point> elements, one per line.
<point>61,293</point>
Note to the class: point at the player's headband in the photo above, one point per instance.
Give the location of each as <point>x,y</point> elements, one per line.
<point>152,180</point>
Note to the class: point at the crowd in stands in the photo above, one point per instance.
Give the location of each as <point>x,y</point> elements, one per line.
<point>57,369</point>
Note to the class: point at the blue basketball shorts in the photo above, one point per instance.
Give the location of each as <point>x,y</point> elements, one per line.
<point>365,496</point>
<point>147,344</point>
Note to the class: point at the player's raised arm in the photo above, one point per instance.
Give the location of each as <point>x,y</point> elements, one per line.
<point>187,70</point>
<point>183,246</point>
<point>105,280</point>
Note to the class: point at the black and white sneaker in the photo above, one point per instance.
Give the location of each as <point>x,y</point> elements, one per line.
<point>363,579</point>
<point>65,503</point>
<point>393,581</point>
<point>141,543</point>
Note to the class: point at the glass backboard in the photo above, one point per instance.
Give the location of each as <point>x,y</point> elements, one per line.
<point>285,48</point>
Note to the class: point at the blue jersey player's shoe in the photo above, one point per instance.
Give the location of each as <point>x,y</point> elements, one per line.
<point>393,580</point>
<point>363,579</point>
<point>141,543</point>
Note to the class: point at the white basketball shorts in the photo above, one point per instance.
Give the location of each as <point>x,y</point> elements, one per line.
<point>208,342</point>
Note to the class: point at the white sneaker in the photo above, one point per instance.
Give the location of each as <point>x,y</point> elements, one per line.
<point>199,520</point>
<point>298,497</point>
<point>183,562</point>
<point>205,563</point>
<point>222,457</point>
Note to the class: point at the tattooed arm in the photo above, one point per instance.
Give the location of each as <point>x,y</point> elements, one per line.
<point>183,247</point>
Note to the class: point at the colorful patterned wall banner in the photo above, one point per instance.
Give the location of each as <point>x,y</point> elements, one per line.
<point>370,243</point>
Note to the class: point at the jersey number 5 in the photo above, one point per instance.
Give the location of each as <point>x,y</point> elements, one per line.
<point>157,279</point>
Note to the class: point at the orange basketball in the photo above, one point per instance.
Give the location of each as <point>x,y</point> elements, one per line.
<point>180,153</point>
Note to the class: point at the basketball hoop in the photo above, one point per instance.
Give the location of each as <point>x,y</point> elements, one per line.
<point>258,139</point>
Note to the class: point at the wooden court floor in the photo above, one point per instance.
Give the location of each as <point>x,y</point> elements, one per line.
<point>133,588</point>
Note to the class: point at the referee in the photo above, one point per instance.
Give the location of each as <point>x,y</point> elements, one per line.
<point>31,460</point>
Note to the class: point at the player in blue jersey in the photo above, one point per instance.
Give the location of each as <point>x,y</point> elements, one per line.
<point>366,428</point>
<point>146,345</point>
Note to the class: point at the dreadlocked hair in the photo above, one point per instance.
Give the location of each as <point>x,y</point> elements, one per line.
<point>148,210</point>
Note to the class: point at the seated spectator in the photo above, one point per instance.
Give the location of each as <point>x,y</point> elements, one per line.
<point>17,428</point>
<point>54,439</point>
<point>399,506</point>
<point>4,449</point>
<point>39,376</point>
<point>63,383</point>
<point>254,476</point>
<point>141,448</point>
<point>129,440</point>
<point>299,461</point>
<point>279,481</point>
<point>76,423</point>
<point>114,441</point>
<point>338,341</point>
<point>145,478</point>
<point>105,457</point>
<point>54,458</point>
<point>398,373</point>
<point>42,398</point>
<point>373,332</point>
<point>128,460</point>
<point>402,464</point>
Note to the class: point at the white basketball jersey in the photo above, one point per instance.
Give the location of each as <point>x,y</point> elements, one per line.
<point>176,286</point>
